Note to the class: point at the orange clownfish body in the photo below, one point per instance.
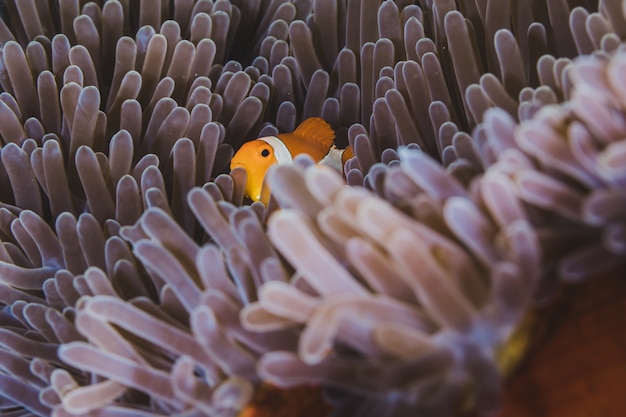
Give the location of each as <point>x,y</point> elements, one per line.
<point>313,137</point>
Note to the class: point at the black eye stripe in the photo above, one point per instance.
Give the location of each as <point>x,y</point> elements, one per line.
<point>265,152</point>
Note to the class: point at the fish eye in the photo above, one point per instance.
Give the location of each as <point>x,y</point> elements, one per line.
<point>265,153</point>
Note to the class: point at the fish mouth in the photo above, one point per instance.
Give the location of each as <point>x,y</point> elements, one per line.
<point>250,189</point>
<point>241,165</point>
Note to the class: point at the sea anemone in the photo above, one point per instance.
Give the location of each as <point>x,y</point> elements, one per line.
<point>135,278</point>
<point>400,314</point>
<point>577,171</point>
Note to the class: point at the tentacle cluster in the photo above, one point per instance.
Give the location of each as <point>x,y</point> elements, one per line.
<point>135,280</point>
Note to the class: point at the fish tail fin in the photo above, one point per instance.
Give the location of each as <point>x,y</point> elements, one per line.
<point>346,154</point>
<point>316,130</point>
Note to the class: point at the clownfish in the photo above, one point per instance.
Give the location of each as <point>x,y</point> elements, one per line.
<point>313,137</point>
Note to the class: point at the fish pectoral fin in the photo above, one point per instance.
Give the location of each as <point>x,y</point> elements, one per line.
<point>333,159</point>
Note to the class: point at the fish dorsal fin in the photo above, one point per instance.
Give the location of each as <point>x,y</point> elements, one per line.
<point>316,130</point>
